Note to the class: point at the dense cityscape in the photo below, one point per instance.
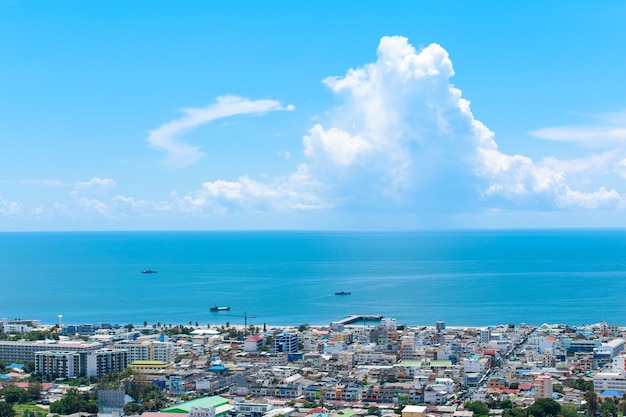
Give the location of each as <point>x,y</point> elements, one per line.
<point>362,365</point>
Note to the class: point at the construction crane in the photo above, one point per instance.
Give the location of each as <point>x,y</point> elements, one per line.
<point>245,319</point>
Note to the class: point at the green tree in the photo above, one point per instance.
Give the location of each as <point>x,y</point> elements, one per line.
<point>132,408</point>
<point>581,384</point>
<point>34,391</point>
<point>29,367</point>
<point>373,411</point>
<point>592,402</point>
<point>3,367</point>
<point>506,404</point>
<point>569,410</point>
<point>514,412</point>
<point>6,410</point>
<point>478,407</point>
<point>70,403</point>
<point>544,407</point>
<point>608,407</point>
<point>622,405</point>
<point>15,395</point>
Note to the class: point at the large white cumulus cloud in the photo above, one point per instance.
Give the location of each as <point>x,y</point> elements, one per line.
<point>404,137</point>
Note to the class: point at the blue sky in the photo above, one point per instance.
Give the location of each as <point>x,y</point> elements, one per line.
<point>409,115</point>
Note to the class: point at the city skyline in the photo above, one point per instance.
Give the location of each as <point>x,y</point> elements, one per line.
<point>162,116</point>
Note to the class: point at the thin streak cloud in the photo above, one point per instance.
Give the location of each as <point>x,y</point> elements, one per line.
<point>179,154</point>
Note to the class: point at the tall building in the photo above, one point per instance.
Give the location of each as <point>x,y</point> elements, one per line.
<point>106,361</point>
<point>485,335</point>
<point>72,364</point>
<point>440,326</point>
<point>147,350</point>
<point>286,342</point>
<point>61,364</point>
<point>543,386</point>
<point>25,351</point>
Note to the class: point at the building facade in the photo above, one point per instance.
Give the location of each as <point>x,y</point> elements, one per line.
<point>286,342</point>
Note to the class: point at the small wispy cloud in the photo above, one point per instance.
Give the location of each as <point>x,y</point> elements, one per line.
<point>607,129</point>
<point>97,182</point>
<point>44,182</point>
<point>179,154</point>
<point>90,204</point>
<point>10,208</point>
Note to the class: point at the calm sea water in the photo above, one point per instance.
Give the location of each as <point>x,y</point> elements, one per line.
<point>464,278</point>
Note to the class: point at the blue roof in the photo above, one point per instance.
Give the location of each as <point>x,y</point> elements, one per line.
<point>610,393</point>
<point>15,366</point>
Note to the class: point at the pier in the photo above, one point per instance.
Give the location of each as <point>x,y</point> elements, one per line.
<point>357,318</point>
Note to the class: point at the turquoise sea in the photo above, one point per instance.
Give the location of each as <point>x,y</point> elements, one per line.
<point>463,278</point>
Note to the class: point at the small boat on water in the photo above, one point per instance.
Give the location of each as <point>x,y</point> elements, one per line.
<point>148,271</point>
<point>343,293</point>
<point>218,308</point>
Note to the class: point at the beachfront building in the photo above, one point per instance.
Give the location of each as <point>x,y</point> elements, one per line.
<point>25,351</point>
<point>18,325</point>
<point>253,343</point>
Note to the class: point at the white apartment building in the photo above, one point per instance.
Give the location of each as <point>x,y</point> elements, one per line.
<point>149,350</point>
<point>474,365</point>
<point>19,326</point>
<point>609,381</point>
<point>25,351</point>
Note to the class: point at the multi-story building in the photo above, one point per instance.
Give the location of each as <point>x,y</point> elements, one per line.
<point>253,343</point>
<point>147,350</point>
<point>72,364</point>
<point>485,335</point>
<point>286,342</point>
<point>251,409</point>
<point>61,364</point>
<point>18,325</point>
<point>106,361</point>
<point>542,386</point>
<point>25,351</point>
<point>580,345</point>
<point>613,381</point>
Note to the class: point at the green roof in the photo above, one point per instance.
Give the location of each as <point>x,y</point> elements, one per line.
<point>441,363</point>
<point>204,402</point>
<point>148,363</point>
<point>346,412</point>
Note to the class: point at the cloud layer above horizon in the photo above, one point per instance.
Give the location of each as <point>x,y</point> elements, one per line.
<point>401,139</point>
